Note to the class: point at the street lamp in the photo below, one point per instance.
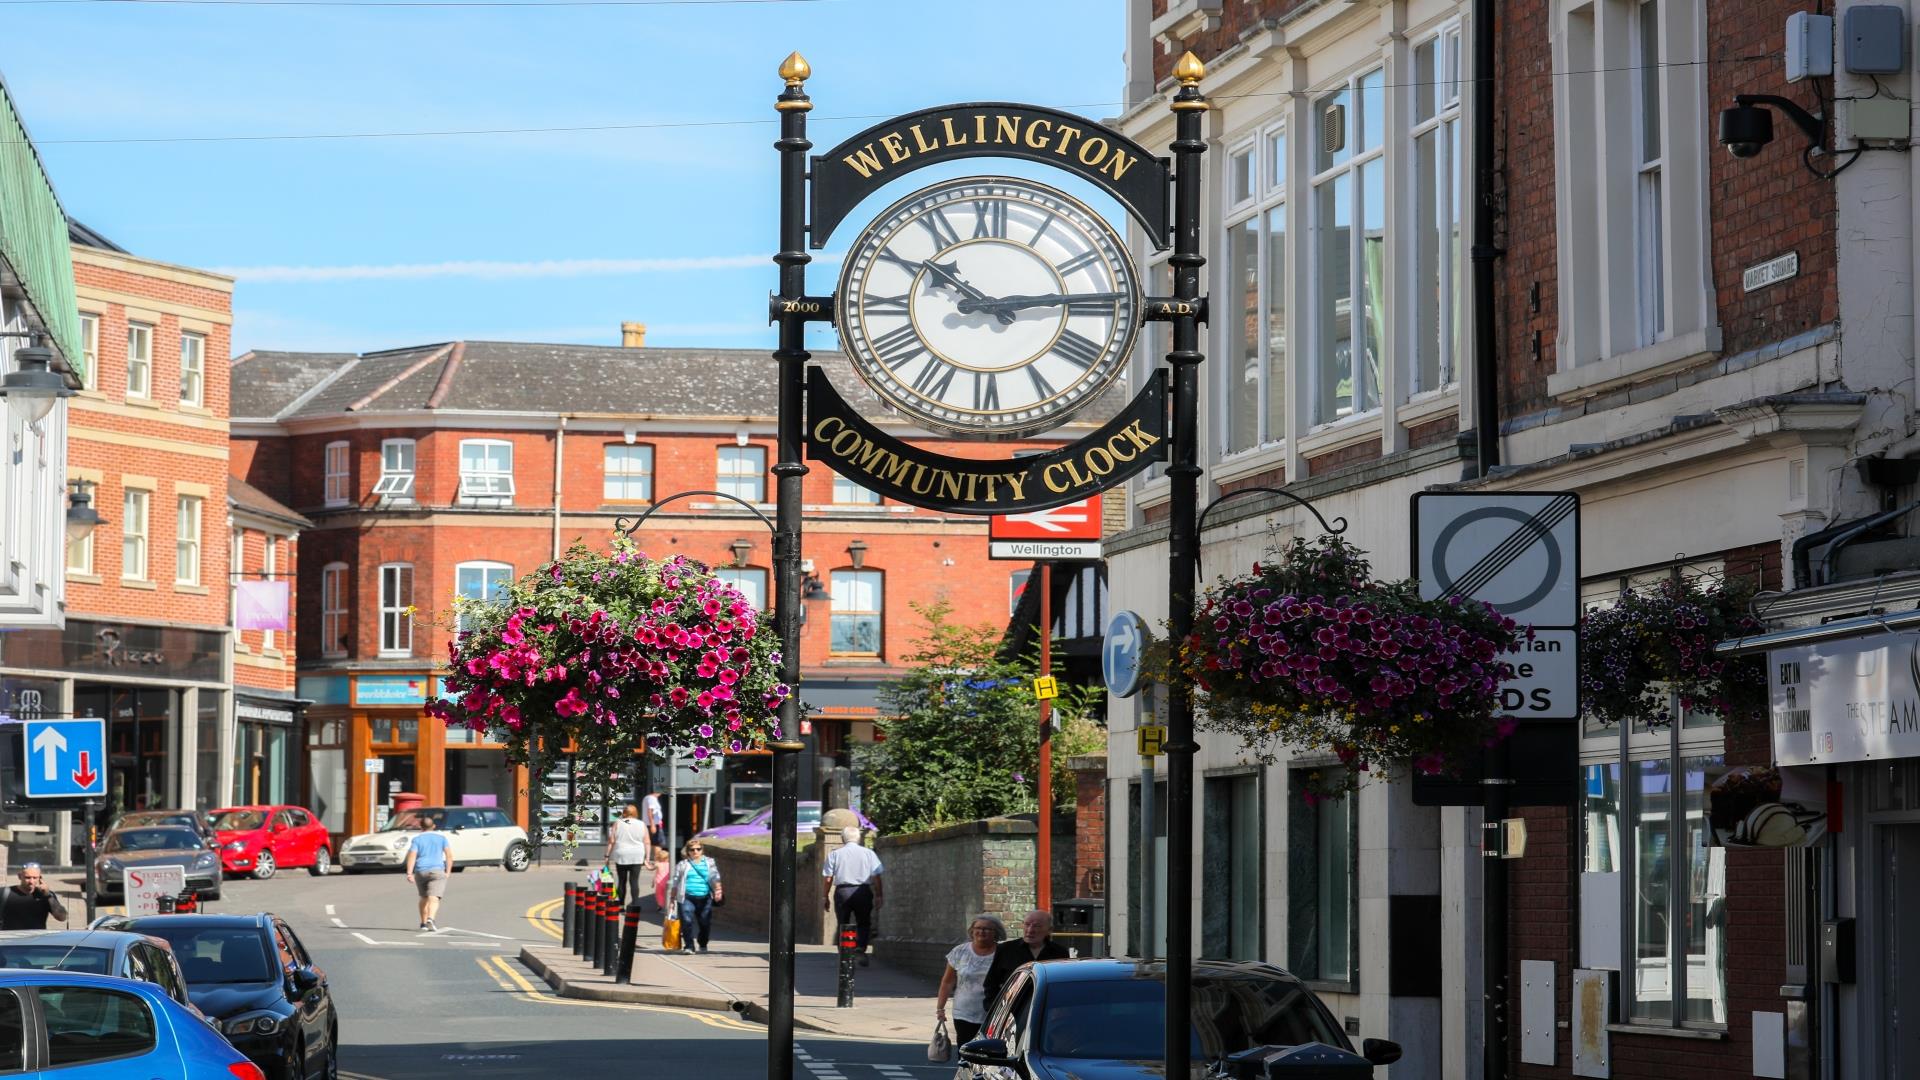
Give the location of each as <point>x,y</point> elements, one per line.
<point>742,548</point>
<point>82,518</point>
<point>857,551</point>
<point>32,389</point>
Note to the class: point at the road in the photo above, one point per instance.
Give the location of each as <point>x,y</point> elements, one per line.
<point>458,1004</point>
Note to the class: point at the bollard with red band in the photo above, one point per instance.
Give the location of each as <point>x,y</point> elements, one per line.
<point>591,954</point>
<point>582,900</point>
<point>610,939</point>
<point>567,902</point>
<point>849,949</point>
<point>629,941</point>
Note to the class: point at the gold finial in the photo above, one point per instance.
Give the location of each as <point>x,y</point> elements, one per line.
<point>795,69</point>
<point>1189,70</point>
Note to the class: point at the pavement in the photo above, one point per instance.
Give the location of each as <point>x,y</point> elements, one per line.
<point>889,1004</point>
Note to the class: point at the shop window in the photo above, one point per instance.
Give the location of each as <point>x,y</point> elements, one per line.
<point>193,370</point>
<point>848,493</point>
<point>1321,841</point>
<point>396,609</point>
<point>388,731</point>
<point>486,472</point>
<point>139,360</point>
<point>133,534</point>
<point>206,792</point>
<point>743,472</point>
<point>186,548</point>
<point>333,609</point>
<point>1231,900</point>
<point>480,581</point>
<point>857,599</point>
<point>338,476</point>
<point>396,471</point>
<point>628,473</point>
<point>751,582</point>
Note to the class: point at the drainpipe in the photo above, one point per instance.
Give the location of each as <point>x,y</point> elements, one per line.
<point>559,461</point>
<point>1486,392</point>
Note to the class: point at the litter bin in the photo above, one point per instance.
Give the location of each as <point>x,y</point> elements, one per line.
<point>1081,924</point>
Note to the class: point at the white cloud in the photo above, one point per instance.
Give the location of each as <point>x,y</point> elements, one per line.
<point>496,270</point>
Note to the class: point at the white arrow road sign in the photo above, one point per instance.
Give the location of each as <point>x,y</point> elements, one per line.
<point>1054,518</point>
<point>51,744</point>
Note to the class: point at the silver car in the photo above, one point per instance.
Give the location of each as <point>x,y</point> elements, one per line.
<point>164,845</point>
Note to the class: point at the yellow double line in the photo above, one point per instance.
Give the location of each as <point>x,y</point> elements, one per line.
<point>544,919</point>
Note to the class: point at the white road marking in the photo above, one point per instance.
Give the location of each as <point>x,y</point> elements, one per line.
<point>337,922</point>
<point>369,940</point>
<point>481,933</point>
<point>329,909</point>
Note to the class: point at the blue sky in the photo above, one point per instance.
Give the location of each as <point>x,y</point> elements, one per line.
<point>367,243</point>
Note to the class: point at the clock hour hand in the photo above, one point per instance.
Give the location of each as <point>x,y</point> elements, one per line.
<point>950,272</point>
<point>1007,304</point>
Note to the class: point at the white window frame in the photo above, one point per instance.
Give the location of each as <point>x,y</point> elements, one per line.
<point>193,369</point>
<point>333,609</point>
<point>140,359</point>
<point>847,492</point>
<point>136,509</point>
<point>1348,171</point>
<point>189,514</point>
<point>396,482</point>
<point>488,486</point>
<point>337,460</point>
<point>90,349</point>
<point>751,581</point>
<point>486,568</point>
<point>236,573</point>
<point>616,484</point>
<point>729,479</point>
<point>1635,285</point>
<point>396,621</point>
<point>1446,336</point>
<point>1264,201</point>
<point>840,606</point>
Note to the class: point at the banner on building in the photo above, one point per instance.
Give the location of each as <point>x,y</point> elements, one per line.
<point>1855,699</point>
<point>260,605</point>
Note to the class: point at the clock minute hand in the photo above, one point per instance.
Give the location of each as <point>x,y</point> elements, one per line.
<point>969,294</point>
<point>1015,303</point>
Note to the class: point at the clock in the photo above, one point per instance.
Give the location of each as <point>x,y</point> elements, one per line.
<point>988,306</point>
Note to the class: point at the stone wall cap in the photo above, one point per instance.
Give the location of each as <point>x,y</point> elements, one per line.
<point>988,826</point>
<point>1088,763</point>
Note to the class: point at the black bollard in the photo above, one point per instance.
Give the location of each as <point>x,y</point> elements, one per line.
<point>849,949</point>
<point>566,916</point>
<point>590,952</point>
<point>629,941</point>
<point>610,939</point>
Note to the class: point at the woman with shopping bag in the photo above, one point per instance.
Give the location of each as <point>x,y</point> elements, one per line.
<point>965,984</point>
<point>695,889</point>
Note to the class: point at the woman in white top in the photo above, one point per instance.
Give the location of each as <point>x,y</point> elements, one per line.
<point>966,976</point>
<point>628,846</point>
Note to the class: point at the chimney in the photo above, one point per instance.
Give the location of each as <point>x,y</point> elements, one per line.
<point>633,335</point>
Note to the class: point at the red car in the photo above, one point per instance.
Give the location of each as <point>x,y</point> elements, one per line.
<point>260,840</point>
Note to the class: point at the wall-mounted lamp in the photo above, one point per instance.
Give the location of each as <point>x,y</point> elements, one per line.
<point>811,589</point>
<point>857,551</point>
<point>32,390</point>
<point>82,518</point>
<point>741,549</point>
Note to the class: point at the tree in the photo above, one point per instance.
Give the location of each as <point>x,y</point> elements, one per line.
<point>963,740</point>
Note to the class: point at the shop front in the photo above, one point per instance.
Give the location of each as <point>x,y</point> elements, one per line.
<point>266,765</point>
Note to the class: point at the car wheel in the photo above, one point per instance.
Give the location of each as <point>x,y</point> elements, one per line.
<point>518,856</point>
<point>299,1066</point>
<point>264,867</point>
<point>322,862</point>
<point>332,1071</point>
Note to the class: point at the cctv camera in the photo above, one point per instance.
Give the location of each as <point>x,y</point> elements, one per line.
<point>1745,129</point>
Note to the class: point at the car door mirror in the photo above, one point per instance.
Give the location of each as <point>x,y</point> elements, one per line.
<point>1380,1051</point>
<point>302,981</point>
<point>985,1052</point>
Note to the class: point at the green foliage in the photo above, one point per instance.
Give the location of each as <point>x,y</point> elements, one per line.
<point>964,739</point>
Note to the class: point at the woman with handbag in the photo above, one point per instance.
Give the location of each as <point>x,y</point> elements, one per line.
<point>965,978</point>
<point>696,889</point>
<point>628,847</point>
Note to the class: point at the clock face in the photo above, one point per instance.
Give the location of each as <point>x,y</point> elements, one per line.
<point>988,305</point>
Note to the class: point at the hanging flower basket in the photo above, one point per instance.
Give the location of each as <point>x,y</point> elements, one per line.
<point>1311,652</point>
<point>1653,648</point>
<point>601,652</point>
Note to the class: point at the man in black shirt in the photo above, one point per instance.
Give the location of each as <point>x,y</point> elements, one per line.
<point>1034,943</point>
<point>27,905</point>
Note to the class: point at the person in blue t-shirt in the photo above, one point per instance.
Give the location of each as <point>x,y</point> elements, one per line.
<point>429,864</point>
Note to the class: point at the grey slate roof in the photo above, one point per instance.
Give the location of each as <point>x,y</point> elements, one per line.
<point>78,233</point>
<point>504,376</point>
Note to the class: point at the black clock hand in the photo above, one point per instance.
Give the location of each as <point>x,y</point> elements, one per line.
<point>969,294</point>
<point>1014,303</point>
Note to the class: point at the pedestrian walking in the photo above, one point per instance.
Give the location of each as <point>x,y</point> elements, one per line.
<point>656,822</point>
<point>854,890</point>
<point>629,848</point>
<point>27,905</point>
<point>965,980</point>
<point>696,888</point>
<point>429,865</point>
<point>660,864</point>
<point>1034,943</point>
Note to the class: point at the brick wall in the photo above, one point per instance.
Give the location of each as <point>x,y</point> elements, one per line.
<point>747,871</point>
<point>938,880</point>
<point>1236,18</point>
<point>1090,827</point>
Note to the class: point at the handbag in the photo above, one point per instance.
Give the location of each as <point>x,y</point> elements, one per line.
<point>940,1047</point>
<point>670,934</point>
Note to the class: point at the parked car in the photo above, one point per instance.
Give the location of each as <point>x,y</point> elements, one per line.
<point>478,835</point>
<point>260,840</point>
<point>253,978</point>
<point>761,824</point>
<point>98,952</point>
<point>168,845</point>
<point>186,819</point>
<point>58,1024</point>
<point>1106,1019</point>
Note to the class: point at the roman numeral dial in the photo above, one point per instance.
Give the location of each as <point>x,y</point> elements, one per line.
<point>988,306</point>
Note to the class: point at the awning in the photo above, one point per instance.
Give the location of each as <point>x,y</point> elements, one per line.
<point>1858,626</point>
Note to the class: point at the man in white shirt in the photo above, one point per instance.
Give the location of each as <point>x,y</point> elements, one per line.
<point>656,824</point>
<point>854,890</point>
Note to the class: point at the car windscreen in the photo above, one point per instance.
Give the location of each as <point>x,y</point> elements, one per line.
<point>215,954</point>
<point>405,822</point>
<point>1126,1019</point>
<point>240,820</point>
<point>153,840</point>
<point>55,958</point>
<point>809,815</point>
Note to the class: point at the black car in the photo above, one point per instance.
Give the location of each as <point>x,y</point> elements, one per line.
<point>253,978</point>
<point>1106,1020</point>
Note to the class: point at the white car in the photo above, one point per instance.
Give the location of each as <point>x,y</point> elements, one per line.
<point>479,835</point>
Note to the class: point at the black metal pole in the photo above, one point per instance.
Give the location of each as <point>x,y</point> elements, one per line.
<point>792,357</point>
<point>1183,550</point>
<point>93,884</point>
<point>566,915</point>
<point>1493,912</point>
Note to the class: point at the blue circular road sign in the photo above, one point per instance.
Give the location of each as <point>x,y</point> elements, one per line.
<point>1122,653</point>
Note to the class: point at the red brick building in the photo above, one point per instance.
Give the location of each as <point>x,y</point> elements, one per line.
<point>447,469</point>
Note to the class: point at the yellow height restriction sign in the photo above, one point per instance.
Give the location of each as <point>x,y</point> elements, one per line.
<point>1151,737</point>
<point>1046,688</point>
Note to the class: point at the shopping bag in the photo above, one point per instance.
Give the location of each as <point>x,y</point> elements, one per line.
<point>670,934</point>
<point>940,1047</point>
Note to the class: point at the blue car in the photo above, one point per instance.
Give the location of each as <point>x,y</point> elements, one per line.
<point>62,1025</point>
